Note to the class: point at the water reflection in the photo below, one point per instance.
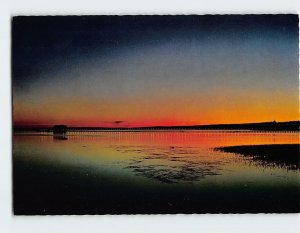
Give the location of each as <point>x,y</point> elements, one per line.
<point>60,137</point>
<point>142,172</point>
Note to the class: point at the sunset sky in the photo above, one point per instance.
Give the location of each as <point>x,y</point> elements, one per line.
<point>154,70</point>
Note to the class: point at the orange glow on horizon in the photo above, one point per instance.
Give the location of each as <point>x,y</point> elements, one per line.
<point>223,108</point>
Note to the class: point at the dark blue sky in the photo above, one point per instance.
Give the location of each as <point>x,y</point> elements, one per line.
<point>41,44</point>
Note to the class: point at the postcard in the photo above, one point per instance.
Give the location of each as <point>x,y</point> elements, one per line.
<point>155,114</point>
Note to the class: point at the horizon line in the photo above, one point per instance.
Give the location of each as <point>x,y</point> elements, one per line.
<point>153,126</point>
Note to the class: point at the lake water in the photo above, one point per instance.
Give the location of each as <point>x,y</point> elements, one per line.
<point>150,173</point>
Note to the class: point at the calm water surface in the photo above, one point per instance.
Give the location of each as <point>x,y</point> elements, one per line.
<point>150,172</point>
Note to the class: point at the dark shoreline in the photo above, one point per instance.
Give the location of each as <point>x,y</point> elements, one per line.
<point>283,155</point>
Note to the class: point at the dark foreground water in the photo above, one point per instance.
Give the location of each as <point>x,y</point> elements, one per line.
<point>153,172</point>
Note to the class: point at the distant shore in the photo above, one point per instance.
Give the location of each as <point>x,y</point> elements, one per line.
<point>262,126</point>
